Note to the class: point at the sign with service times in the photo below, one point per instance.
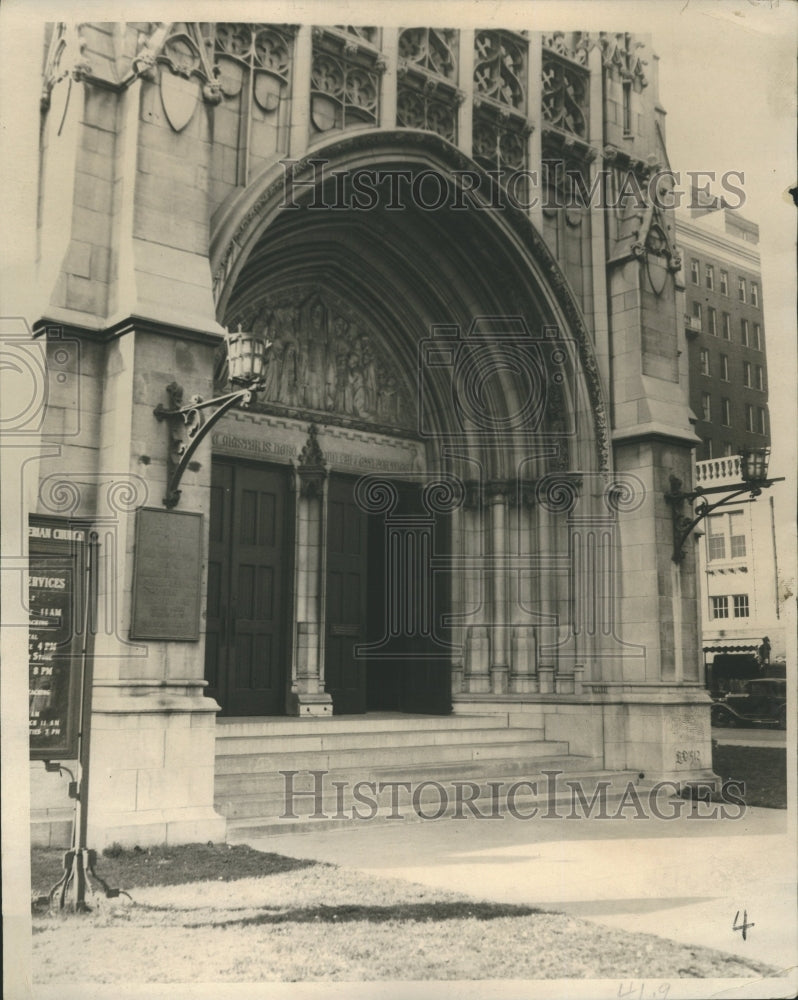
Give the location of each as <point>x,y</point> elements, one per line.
<point>58,595</point>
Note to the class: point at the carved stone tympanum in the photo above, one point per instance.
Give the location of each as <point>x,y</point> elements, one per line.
<point>324,359</point>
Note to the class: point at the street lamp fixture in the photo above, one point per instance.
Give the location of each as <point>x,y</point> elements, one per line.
<point>754,479</point>
<point>247,360</point>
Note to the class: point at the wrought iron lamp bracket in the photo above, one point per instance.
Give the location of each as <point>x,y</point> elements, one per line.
<point>188,426</point>
<point>683,524</point>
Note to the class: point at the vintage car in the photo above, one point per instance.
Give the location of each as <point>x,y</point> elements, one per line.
<point>763,700</point>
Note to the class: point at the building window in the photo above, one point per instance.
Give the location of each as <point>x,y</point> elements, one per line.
<point>744,337</point>
<point>724,282</point>
<point>724,367</point>
<point>728,449</point>
<point>757,336</point>
<point>740,605</point>
<point>720,607</point>
<point>716,539</point>
<point>760,420</point>
<point>697,314</point>
<point>749,418</point>
<point>736,534</point>
<point>726,326</point>
<point>725,409</point>
<point>703,360</point>
<point>741,289</point>
<point>709,277</point>
<point>712,321</point>
<point>759,378</point>
<point>706,406</point>
<point>754,294</point>
<point>694,272</point>
<point>627,107</point>
<point>747,374</point>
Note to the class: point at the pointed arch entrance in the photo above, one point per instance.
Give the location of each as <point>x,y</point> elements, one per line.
<point>438,357</point>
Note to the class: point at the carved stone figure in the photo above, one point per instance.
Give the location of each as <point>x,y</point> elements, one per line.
<point>323,359</point>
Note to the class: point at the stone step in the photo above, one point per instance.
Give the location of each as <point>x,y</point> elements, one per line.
<point>431,805</point>
<point>228,749</point>
<point>265,794</point>
<point>369,757</point>
<point>372,722</point>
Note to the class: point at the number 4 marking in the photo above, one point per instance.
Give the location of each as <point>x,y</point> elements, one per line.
<point>744,925</point>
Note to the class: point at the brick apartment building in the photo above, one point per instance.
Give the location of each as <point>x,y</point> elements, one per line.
<point>737,557</point>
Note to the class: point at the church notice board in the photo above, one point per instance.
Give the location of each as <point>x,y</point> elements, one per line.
<point>167,575</point>
<point>58,625</point>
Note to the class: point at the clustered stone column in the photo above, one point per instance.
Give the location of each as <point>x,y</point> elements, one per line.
<point>307,695</point>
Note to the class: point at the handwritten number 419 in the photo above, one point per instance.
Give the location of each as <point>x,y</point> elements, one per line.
<point>636,991</point>
<point>744,925</point>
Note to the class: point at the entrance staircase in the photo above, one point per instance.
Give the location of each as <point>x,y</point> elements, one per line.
<point>381,748</point>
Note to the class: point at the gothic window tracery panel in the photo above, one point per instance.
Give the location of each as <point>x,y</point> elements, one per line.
<point>431,49</point>
<point>345,84</point>
<point>364,34</point>
<point>253,65</point>
<point>500,68</point>
<point>427,97</point>
<point>565,92</point>
<point>500,142</point>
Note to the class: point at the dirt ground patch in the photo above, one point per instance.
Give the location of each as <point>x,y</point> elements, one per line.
<point>138,867</point>
<point>320,922</point>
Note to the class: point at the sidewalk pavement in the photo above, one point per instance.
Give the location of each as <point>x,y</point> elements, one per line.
<point>688,879</point>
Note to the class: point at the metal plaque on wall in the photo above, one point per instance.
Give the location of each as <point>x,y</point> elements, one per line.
<point>167,575</point>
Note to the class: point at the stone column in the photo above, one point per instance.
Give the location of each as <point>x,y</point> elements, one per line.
<point>307,696</point>
<point>476,666</point>
<point>390,51</point>
<point>458,598</point>
<point>534,114</point>
<point>465,114</point>
<point>299,135</point>
<point>497,518</point>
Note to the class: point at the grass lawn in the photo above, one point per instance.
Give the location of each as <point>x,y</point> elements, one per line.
<point>202,913</point>
<point>763,770</point>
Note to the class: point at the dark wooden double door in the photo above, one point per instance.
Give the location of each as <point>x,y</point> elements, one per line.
<point>248,598</point>
<point>250,603</point>
<point>408,672</point>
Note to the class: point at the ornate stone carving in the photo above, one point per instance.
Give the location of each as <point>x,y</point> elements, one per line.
<point>258,55</point>
<point>66,58</point>
<point>619,52</point>
<point>431,49</point>
<point>345,87</point>
<point>440,151</point>
<point>416,109</point>
<point>324,360</point>
<point>574,45</point>
<point>499,143</point>
<point>500,68</point>
<point>565,95</point>
<point>312,468</point>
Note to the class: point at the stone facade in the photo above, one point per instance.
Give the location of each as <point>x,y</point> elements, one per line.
<point>201,177</point>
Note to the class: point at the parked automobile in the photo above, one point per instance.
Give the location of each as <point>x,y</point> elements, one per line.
<point>763,701</point>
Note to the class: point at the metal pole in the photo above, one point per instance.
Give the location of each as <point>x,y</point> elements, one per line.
<point>84,734</point>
